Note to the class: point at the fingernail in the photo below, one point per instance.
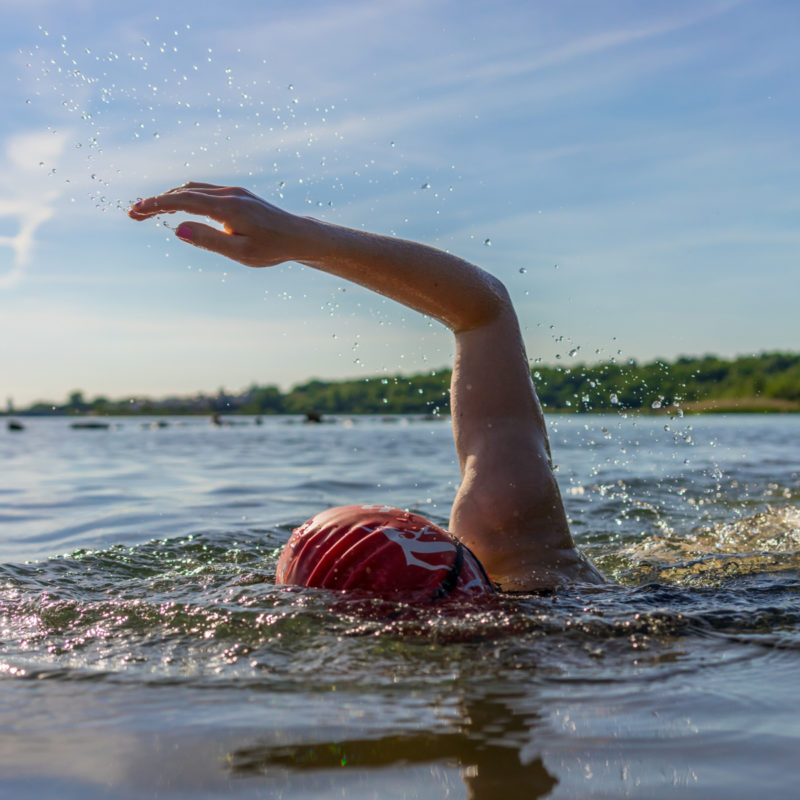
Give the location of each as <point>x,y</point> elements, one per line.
<point>184,232</point>
<point>138,204</point>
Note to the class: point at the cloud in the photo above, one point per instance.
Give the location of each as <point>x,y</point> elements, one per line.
<point>31,201</point>
<point>30,218</point>
<point>166,117</point>
<point>603,42</point>
<point>27,151</point>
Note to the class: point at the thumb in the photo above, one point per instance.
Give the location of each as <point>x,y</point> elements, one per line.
<point>207,237</point>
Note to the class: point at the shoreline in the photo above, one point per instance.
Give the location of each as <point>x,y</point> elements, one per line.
<point>744,405</point>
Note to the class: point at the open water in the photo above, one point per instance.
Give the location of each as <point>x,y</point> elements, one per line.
<point>144,650</point>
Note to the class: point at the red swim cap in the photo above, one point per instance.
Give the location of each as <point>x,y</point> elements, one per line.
<point>383,551</point>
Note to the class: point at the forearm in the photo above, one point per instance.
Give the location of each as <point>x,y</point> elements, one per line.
<point>433,282</point>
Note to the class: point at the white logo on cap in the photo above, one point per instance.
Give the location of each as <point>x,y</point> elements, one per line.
<point>412,546</point>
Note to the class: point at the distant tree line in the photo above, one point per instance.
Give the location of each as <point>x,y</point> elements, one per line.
<point>661,384</point>
<point>771,379</point>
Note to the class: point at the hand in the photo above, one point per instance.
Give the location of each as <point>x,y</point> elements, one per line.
<point>255,233</point>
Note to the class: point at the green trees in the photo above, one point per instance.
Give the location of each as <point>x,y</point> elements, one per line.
<point>609,386</point>
<point>753,382</point>
<point>659,384</point>
<point>418,394</point>
<point>263,400</point>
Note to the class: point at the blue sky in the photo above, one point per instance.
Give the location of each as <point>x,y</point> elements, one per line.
<point>629,169</point>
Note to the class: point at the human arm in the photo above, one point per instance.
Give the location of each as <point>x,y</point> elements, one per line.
<point>258,234</point>
<point>508,509</point>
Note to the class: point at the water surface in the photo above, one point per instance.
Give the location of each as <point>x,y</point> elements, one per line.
<point>144,650</point>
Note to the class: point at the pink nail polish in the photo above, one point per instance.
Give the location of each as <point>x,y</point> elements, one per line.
<point>184,232</point>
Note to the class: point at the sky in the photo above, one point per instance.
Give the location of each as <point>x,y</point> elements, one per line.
<point>628,169</point>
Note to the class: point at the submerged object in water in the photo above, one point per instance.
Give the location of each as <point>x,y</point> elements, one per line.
<point>216,419</point>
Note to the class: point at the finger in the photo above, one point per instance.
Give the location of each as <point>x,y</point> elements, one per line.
<point>192,202</point>
<point>196,185</point>
<point>133,213</point>
<point>141,209</point>
<point>212,189</point>
<point>209,238</point>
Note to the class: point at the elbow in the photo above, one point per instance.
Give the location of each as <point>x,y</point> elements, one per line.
<point>488,302</point>
<point>501,297</point>
<point>498,300</point>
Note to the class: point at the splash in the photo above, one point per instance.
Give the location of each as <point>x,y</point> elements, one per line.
<point>766,542</point>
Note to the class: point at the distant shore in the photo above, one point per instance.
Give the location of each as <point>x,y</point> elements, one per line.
<point>745,406</point>
<point>742,405</point>
<point>763,383</point>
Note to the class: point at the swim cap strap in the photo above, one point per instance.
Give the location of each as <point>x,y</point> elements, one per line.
<point>451,579</point>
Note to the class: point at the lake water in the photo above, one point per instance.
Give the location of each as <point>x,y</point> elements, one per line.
<point>144,650</point>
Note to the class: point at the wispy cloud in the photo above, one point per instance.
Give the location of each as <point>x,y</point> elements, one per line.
<point>30,202</point>
<point>30,218</point>
<point>604,42</point>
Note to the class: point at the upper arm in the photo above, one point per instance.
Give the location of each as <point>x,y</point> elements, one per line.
<point>508,509</point>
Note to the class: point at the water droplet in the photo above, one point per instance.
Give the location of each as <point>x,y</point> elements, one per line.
<point>574,351</point>
<point>522,270</point>
<point>425,186</point>
<point>614,400</point>
<point>655,404</point>
<point>487,242</point>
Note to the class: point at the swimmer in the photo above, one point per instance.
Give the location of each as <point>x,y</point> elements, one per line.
<point>508,520</point>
